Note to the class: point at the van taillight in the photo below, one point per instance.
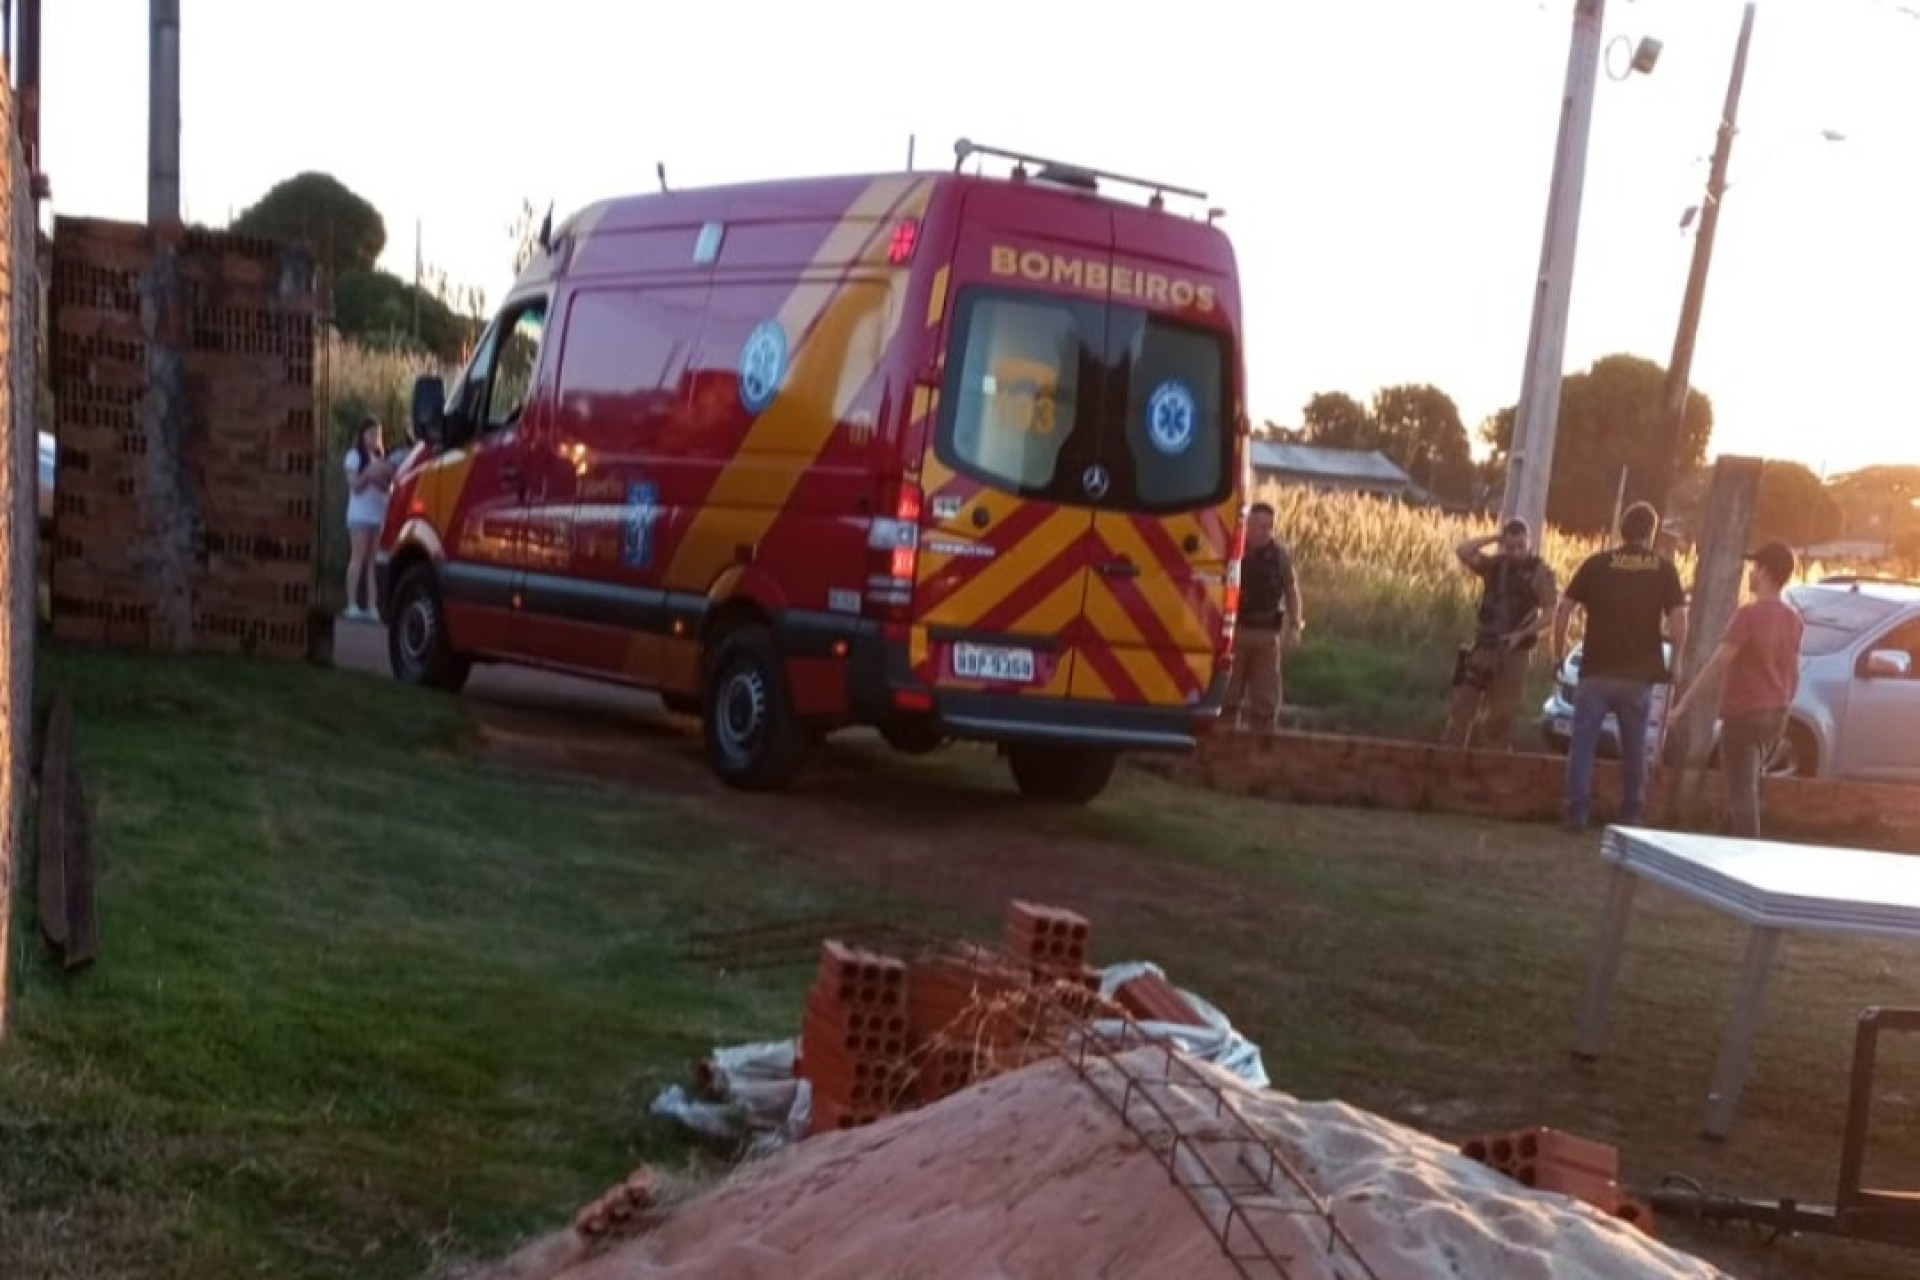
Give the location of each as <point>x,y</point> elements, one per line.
<point>1230,597</point>
<point>905,236</point>
<point>893,553</point>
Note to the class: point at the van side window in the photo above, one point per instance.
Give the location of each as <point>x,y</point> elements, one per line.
<point>624,370</point>
<point>512,376</point>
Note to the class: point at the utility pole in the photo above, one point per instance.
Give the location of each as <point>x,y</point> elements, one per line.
<point>1530,456</point>
<point>163,114</point>
<point>1657,481</point>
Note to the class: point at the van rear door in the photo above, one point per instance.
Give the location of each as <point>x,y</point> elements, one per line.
<point>1008,522</point>
<point>1155,606</point>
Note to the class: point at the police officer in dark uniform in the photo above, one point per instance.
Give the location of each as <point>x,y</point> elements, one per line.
<point>1270,619</point>
<point>1517,602</point>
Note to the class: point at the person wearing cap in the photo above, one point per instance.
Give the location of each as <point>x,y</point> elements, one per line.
<point>1760,656</point>
<point>1630,594</point>
<point>1516,605</point>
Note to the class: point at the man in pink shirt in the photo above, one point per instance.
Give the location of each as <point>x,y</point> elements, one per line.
<point>1760,655</point>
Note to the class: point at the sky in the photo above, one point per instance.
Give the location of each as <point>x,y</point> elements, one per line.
<point>1383,164</point>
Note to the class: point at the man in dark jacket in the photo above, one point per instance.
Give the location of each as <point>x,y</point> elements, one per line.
<point>1269,618</point>
<point>1631,594</point>
<point>1516,606</point>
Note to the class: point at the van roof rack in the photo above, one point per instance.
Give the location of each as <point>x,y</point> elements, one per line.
<point>1075,175</point>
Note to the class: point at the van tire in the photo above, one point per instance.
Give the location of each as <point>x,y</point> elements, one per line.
<point>912,737</point>
<point>754,740</point>
<point>1050,774</point>
<point>418,648</point>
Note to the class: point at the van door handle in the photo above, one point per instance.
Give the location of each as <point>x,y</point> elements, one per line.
<point>1120,569</point>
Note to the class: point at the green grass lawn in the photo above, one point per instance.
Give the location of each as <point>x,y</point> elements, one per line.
<point>360,1001</point>
<point>369,998</point>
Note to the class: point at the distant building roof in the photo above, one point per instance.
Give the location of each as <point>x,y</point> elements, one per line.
<point>1363,466</point>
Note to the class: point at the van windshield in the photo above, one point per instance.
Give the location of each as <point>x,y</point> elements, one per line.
<point>1078,402</point>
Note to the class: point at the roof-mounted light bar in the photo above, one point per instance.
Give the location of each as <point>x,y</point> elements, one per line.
<point>965,149</point>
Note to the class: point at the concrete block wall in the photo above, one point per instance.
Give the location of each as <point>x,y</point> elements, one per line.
<point>1308,768</point>
<point>183,375</point>
<point>19,538</point>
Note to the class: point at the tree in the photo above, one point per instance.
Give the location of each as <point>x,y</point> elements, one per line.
<point>1878,503</point>
<point>1418,426</point>
<point>345,232</point>
<point>1794,507</point>
<point>1609,420</point>
<point>379,309</point>
<point>1337,420</point>
<point>524,231</point>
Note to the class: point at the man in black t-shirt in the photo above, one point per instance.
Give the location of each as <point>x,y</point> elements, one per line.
<point>1630,594</point>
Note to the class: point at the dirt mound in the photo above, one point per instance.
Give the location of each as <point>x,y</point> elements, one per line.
<point>1035,1174</point>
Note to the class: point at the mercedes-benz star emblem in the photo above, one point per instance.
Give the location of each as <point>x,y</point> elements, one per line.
<point>1094,479</point>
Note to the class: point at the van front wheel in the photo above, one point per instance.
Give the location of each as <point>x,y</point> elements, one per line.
<point>754,740</point>
<point>1060,775</point>
<point>418,649</point>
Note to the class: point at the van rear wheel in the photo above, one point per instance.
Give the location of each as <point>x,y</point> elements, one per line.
<point>1052,774</point>
<point>754,741</point>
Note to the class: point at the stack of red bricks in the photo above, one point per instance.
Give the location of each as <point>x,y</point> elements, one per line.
<point>250,410</point>
<point>1052,944</point>
<point>853,1045</point>
<point>98,353</point>
<point>1549,1160</point>
<point>883,1035</point>
<point>964,1016</point>
<point>185,486</point>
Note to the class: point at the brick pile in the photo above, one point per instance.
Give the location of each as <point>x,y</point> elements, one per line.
<point>884,1035</point>
<point>183,380</point>
<point>1549,1160</point>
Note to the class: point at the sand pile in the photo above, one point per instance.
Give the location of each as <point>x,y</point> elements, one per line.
<point>1033,1174</point>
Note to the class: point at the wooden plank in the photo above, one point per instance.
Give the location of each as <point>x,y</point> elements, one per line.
<point>51,898</point>
<point>82,923</point>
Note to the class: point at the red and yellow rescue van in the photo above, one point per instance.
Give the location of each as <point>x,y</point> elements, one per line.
<point>954,455</point>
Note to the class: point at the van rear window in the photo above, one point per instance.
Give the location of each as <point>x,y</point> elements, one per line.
<point>1046,392</point>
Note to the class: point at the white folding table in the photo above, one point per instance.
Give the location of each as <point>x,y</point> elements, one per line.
<point>1772,888</point>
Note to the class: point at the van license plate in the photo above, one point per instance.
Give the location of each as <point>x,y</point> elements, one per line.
<point>993,664</point>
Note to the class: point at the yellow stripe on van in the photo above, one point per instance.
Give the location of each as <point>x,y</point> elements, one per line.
<point>937,300</point>
<point>749,496</point>
<point>1013,566</point>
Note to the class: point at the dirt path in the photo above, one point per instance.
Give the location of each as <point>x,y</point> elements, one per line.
<point>951,837</point>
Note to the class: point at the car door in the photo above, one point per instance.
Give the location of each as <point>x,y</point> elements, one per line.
<point>496,411</point>
<point>1879,740</point>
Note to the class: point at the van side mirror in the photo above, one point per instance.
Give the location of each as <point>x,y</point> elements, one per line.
<point>430,409</point>
<point>1889,664</point>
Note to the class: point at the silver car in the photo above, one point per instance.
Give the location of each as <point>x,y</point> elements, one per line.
<point>44,477</point>
<point>1857,714</point>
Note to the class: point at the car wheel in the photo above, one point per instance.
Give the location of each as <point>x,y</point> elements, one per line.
<point>754,741</point>
<point>1051,774</point>
<point>418,646</point>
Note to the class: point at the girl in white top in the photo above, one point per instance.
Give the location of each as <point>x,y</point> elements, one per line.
<point>369,479</point>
